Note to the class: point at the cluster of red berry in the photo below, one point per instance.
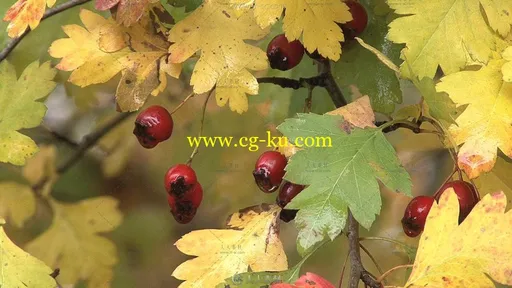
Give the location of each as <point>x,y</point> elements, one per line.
<point>184,193</point>
<point>417,210</point>
<point>268,174</point>
<point>284,55</point>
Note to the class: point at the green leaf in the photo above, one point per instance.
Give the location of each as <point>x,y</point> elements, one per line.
<point>189,5</point>
<point>440,106</point>
<point>19,108</point>
<point>20,269</point>
<point>361,68</point>
<point>341,176</point>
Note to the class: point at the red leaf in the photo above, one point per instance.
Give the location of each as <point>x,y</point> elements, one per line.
<point>312,280</point>
<point>105,4</point>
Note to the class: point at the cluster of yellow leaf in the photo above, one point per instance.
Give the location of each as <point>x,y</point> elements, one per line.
<point>104,48</point>
<point>453,34</point>
<point>465,255</point>
<point>252,242</point>
<point>128,12</point>
<point>20,269</point>
<point>72,241</point>
<point>25,13</point>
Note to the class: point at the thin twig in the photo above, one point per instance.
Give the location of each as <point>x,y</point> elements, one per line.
<point>309,100</point>
<point>372,258</point>
<point>284,82</point>
<point>391,270</point>
<point>183,102</point>
<point>196,149</point>
<point>330,85</point>
<point>90,140</point>
<point>49,13</point>
<point>343,270</point>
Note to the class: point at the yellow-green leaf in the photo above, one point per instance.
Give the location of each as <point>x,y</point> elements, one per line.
<point>486,123</point>
<point>221,253</point>
<point>72,241</point>
<point>499,15</point>
<point>448,33</point>
<point>225,56</point>
<point>465,255</point>
<point>20,108</point>
<point>20,269</point>
<point>507,67</point>
<point>17,202</point>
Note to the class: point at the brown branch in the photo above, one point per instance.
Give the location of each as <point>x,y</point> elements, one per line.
<point>49,13</point>
<point>319,80</point>
<point>330,85</point>
<point>357,271</point>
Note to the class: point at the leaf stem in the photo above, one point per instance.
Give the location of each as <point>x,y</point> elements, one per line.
<point>49,13</point>
<point>196,149</point>
<point>372,258</point>
<point>381,278</point>
<point>343,270</point>
<point>183,102</point>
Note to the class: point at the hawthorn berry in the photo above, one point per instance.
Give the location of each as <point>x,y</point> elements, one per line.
<point>287,192</point>
<point>415,215</point>
<point>358,23</point>
<point>179,180</point>
<point>269,170</point>
<point>153,126</point>
<point>466,193</point>
<point>185,208</point>
<point>284,55</point>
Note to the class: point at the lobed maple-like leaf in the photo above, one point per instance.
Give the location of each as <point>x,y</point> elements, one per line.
<point>342,176</point>
<point>486,123</point>
<point>17,203</point>
<point>24,14</point>
<point>103,48</point>
<point>465,255</point>
<point>314,20</point>
<point>72,241</point>
<point>507,67</point>
<point>439,104</point>
<point>214,30</point>
<point>128,12</point>
<point>20,269</point>
<point>253,242</point>
<point>499,15</point>
<point>446,33</point>
<point>20,108</point>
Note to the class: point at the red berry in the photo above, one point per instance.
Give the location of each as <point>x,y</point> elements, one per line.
<point>180,179</point>
<point>284,55</point>
<point>287,192</point>
<point>358,23</point>
<point>415,215</point>
<point>182,211</point>
<point>466,193</point>
<point>153,126</point>
<point>269,171</point>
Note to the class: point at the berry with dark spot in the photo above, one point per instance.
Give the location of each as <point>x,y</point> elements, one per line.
<point>179,180</point>
<point>284,55</point>
<point>182,211</point>
<point>269,171</point>
<point>287,192</point>
<point>153,126</point>
<point>288,215</point>
<point>416,214</point>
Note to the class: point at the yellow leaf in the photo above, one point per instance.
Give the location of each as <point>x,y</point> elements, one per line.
<point>20,107</point>
<point>17,202</point>
<point>507,67</point>
<point>499,15</point>
<point>383,58</point>
<point>225,57</point>
<point>448,33</point>
<point>314,20</point>
<point>359,113</point>
<point>486,124</point>
<point>72,241</point>
<point>20,269</point>
<point>25,13</point>
<point>465,255</point>
<point>103,48</point>
<point>253,242</point>
<point>41,167</point>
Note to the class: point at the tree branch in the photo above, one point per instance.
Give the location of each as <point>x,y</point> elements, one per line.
<point>330,85</point>
<point>49,13</point>
<point>315,81</point>
<point>357,271</point>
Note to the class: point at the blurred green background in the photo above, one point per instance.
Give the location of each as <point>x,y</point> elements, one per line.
<point>145,239</point>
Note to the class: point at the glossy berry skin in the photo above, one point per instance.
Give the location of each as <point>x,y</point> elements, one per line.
<point>184,209</point>
<point>269,171</point>
<point>179,180</point>
<point>466,193</point>
<point>415,215</point>
<point>358,23</point>
<point>284,55</point>
<point>287,192</point>
<point>153,126</point>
